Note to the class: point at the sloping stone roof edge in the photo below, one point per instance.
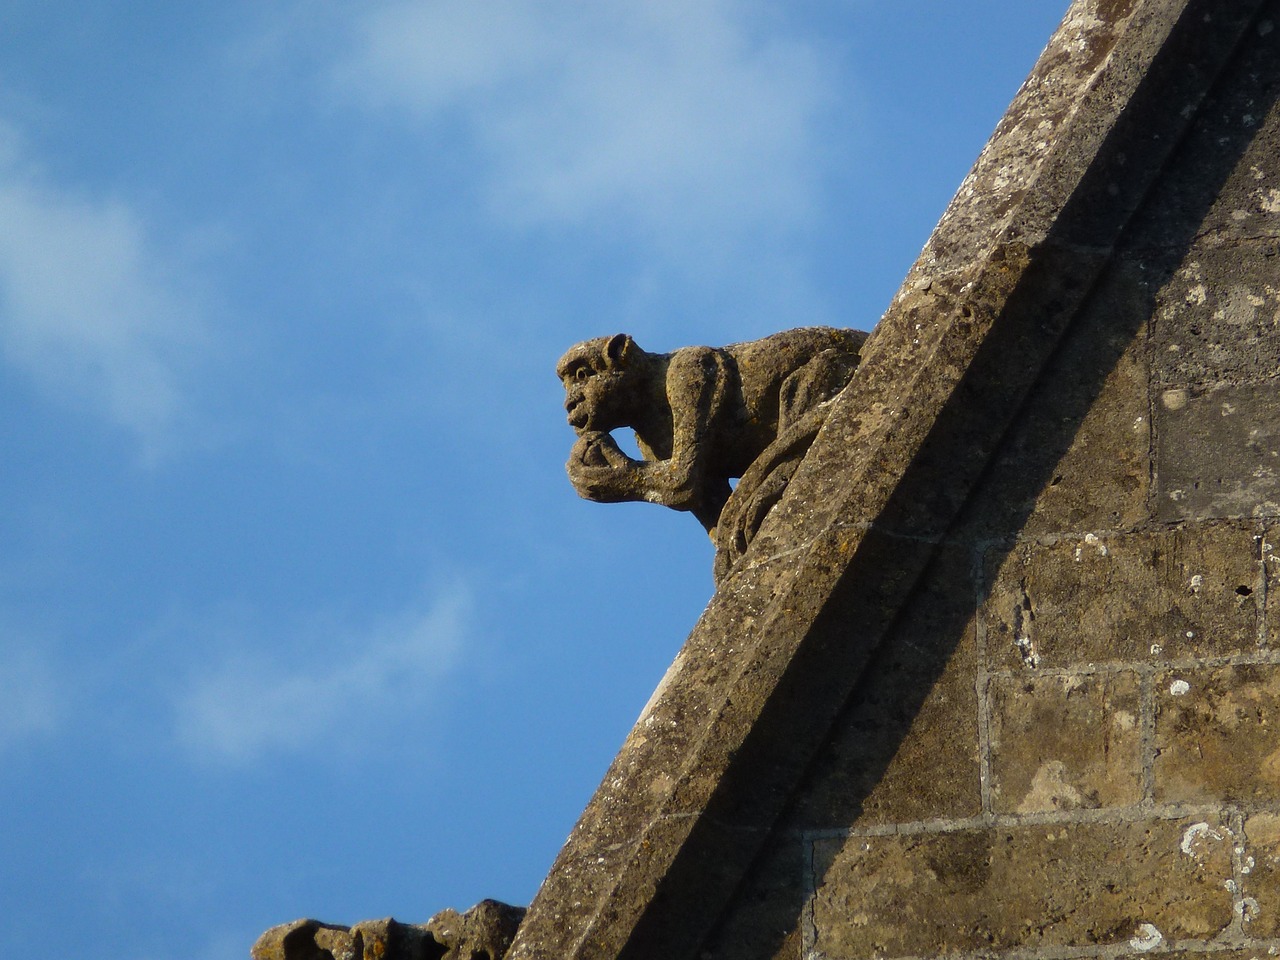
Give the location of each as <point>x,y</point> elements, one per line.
<point>734,724</point>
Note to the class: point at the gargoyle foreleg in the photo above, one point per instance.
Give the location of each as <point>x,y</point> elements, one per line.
<point>600,471</point>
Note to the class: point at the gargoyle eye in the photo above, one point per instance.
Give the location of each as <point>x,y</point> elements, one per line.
<point>581,374</point>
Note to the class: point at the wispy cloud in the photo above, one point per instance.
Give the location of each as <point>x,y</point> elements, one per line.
<point>674,121</point>
<point>90,309</point>
<point>254,704</point>
<point>33,700</point>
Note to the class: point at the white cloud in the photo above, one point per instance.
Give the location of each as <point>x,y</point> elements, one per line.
<point>89,309</point>
<point>252,704</point>
<point>32,700</point>
<point>681,121</point>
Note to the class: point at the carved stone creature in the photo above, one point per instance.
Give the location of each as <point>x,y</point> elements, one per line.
<point>484,932</point>
<point>702,417</point>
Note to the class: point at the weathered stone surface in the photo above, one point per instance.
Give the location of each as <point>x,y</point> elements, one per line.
<point>1019,887</point>
<point>1218,453</point>
<point>1066,742</point>
<point>482,933</point>
<point>1270,553</point>
<point>1217,320</point>
<point>907,746</point>
<point>1078,457</point>
<point>767,926</point>
<point>1237,130</point>
<point>371,940</point>
<point>307,940</point>
<point>1071,602</point>
<point>1218,734</point>
<point>1260,875</point>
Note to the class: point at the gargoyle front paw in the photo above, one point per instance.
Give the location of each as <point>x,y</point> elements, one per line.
<point>598,449</point>
<point>600,471</point>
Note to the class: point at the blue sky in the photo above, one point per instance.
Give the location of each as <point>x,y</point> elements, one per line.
<point>299,614</point>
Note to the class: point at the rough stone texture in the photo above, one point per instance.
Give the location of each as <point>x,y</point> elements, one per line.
<point>482,933</point>
<point>1271,576</point>
<point>1065,742</point>
<point>769,901</point>
<point>1217,734</point>
<point>1219,450</point>
<point>1032,886</point>
<point>940,672</point>
<point>1217,320</point>
<point>1090,442</point>
<point>1071,602</point>
<point>1260,875</point>
<point>906,748</point>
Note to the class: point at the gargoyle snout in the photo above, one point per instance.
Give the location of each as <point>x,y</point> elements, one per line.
<point>577,416</point>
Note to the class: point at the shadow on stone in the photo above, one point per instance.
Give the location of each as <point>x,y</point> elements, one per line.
<point>921,596</point>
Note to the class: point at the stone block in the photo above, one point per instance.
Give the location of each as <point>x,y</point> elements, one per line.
<point>1217,734</point>
<point>1061,885</point>
<point>1271,568</point>
<point>1216,320</point>
<point>1260,875</point>
<point>1072,602</point>
<point>1065,742</point>
<point>1218,451</point>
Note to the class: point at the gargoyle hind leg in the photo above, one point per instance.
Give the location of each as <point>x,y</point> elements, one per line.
<point>817,381</point>
<point>708,511</point>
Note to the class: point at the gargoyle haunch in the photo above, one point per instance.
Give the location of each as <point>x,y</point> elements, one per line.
<point>702,417</point>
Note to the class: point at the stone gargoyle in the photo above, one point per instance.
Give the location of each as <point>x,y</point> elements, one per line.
<point>703,417</point>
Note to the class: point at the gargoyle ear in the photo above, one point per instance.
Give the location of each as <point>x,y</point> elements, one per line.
<point>618,350</point>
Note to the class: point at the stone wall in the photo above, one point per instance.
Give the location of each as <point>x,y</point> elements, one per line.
<point>996,677</point>
<point>1069,744</point>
